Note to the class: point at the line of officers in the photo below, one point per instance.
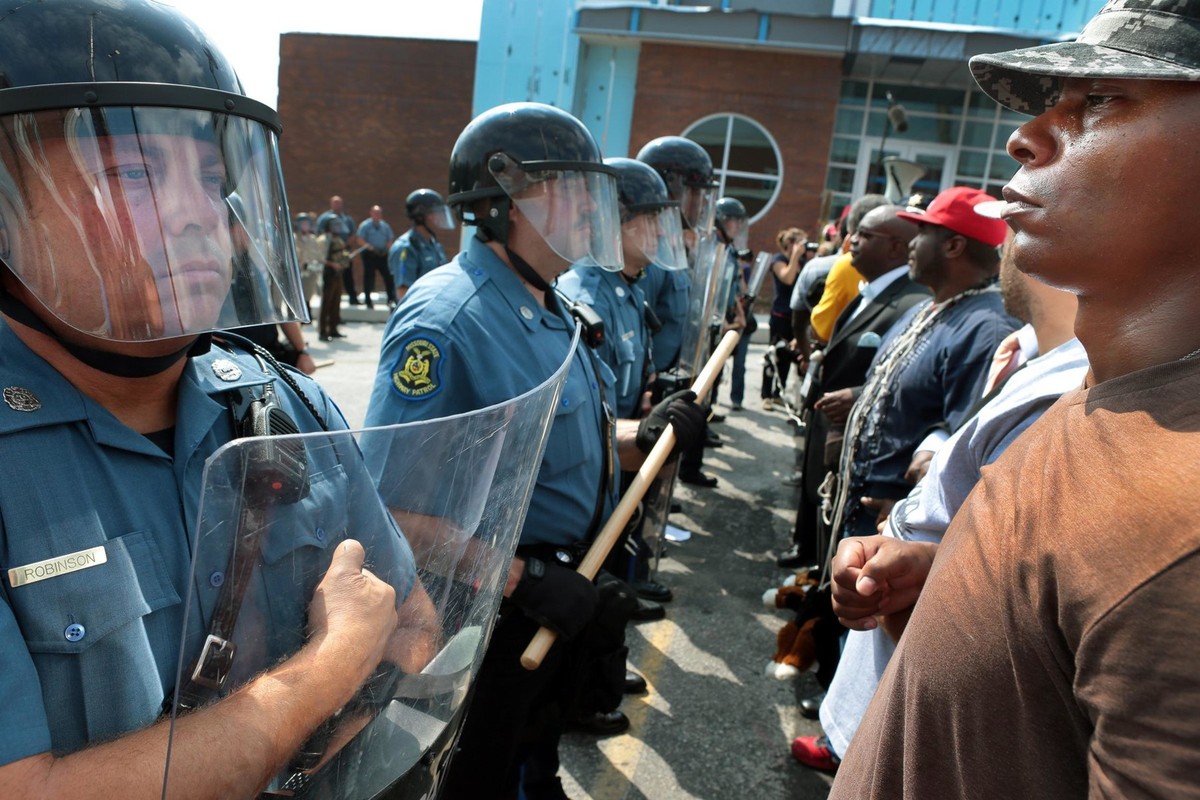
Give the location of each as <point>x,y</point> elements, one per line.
<point>563,235</point>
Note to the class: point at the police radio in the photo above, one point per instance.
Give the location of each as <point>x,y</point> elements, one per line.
<point>588,319</point>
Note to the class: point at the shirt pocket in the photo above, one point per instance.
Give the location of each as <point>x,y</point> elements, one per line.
<point>69,613</point>
<point>574,433</point>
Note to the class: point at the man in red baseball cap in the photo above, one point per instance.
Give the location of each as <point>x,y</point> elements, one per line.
<point>927,374</point>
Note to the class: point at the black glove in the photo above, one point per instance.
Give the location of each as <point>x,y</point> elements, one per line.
<point>555,597</point>
<point>685,416</point>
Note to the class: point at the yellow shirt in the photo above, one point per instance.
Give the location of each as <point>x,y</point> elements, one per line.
<point>841,287</point>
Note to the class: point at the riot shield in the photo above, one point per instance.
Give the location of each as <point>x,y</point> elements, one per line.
<point>438,507</point>
<point>708,266</point>
<point>762,265</point>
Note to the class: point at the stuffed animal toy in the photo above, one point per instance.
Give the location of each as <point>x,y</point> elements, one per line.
<point>810,640</point>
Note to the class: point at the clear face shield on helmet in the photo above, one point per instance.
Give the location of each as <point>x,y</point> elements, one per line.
<point>657,233</point>
<point>136,224</point>
<point>572,206</point>
<point>697,203</point>
<point>438,217</point>
<point>737,230</point>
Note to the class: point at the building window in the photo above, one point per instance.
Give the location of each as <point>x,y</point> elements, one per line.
<point>959,135</point>
<point>745,157</point>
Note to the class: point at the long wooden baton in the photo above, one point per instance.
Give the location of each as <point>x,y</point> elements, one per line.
<point>531,659</point>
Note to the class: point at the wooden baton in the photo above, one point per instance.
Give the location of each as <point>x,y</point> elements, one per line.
<point>531,659</point>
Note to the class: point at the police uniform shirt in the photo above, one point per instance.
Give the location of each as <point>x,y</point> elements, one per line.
<point>620,305</point>
<point>375,234</point>
<point>107,520</point>
<point>340,225</point>
<point>470,335</point>
<point>666,293</point>
<point>412,255</point>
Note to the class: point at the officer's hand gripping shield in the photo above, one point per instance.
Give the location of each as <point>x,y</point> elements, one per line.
<point>438,507</point>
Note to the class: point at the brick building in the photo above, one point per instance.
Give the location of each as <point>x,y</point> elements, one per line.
<point>370,118</point>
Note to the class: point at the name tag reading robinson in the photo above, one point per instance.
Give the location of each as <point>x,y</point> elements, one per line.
<point>60,565</point>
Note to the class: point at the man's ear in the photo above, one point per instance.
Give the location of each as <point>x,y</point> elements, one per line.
<point>955,246</point>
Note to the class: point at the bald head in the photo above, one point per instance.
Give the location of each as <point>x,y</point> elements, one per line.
<point>880,244</point>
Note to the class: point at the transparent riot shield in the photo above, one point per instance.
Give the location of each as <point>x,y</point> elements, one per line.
<point>707,272</point>
<point>437,506</point>
<point>762,265</point>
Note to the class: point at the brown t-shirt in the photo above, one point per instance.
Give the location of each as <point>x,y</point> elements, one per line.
<point>1055,651</point>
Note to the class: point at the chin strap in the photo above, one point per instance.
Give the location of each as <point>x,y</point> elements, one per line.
<point>536,281</point>
<point>116,364</point>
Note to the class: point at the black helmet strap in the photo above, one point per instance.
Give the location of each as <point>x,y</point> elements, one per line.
<point>117,364</point>
<point>530,275</point>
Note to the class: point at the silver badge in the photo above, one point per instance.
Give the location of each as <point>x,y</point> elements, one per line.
<point>620,292</point>
<point>19,399</point>
<point>226,370</point>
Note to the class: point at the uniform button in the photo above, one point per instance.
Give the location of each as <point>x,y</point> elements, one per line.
<point>566,402</point>
<point>477,272</point>
<point>216,579</point>
<point>320,534</point>
<point>74,632</point>
<point>620,292</point>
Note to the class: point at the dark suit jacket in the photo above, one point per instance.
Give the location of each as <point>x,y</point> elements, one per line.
<point>847,356</point>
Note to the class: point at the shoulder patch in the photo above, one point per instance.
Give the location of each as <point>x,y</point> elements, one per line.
<point>417,373</point>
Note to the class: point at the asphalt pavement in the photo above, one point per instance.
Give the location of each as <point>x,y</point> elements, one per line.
<point>712,725</point>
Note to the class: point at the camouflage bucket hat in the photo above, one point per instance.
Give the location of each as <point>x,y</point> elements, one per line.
<point>1153,39</point>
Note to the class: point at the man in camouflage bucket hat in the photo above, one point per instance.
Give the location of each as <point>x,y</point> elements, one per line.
<point>1053,653</point>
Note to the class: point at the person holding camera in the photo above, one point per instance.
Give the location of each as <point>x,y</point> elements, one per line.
<point>794,252</point>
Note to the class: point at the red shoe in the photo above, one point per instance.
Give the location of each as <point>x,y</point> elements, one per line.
<point>814,752</point>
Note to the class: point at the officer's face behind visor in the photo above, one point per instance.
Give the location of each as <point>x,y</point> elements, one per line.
<point>574,210</point>
<point>697,202</point>
<point>438,218</point>
<point>140,224</point>
<point>657,236</point>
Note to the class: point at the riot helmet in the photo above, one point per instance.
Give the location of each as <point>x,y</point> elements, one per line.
<point>650,223</point>
<point>733,222</point>
<point>303,222</point>
<point>426,207</point>
<point>688,171</point>
<point>129,157</point>
<point>544,162</point>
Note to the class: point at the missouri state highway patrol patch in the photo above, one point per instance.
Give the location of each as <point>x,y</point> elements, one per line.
<point>416,374</point>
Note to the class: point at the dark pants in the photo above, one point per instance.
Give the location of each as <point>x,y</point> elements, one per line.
<point>331,302</point>
<point>781,331</point>
<point>495,737</point>
<point>372,263</point>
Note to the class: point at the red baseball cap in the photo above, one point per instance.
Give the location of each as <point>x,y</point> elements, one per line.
<point>955,209</point>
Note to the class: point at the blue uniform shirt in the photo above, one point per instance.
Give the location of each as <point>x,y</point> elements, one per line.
<point>626,340</point>
<point>412,255</point>
<point>666,292</point>
<point>378,236</point>
<point>469,335</point>
<point>340,225</point>
<point>89,654</point>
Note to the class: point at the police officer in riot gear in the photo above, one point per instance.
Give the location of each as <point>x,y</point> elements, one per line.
<point>486,327</point>
<point>125,137</point>
<point>688,172</point>
<point>417,250</point>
